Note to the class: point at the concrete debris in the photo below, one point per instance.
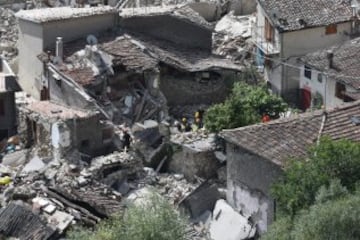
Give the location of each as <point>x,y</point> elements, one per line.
<point>35,164</point>
<point>193,155</point>
<point>8,33</point>
<point>227,224</point>
<point>60,220</point>
<point>15,159</point>
<point>232,38</point>
<point>235,26</point>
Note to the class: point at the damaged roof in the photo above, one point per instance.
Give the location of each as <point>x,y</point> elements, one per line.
<point>282,139</point>
<point>138,53</point>
<point>42,15</point>
<point>49,110</point>
<point>346,64</point>
<point>292,15</point>
<point>19,222</point>
<point>183,13</point>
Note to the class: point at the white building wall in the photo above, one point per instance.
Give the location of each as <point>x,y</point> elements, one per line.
<point>71,29</point>
<point>30,45</point>
<point>250,203</point>
<point>298,43</point>
<point>326,88</point>
<point>34,38</point>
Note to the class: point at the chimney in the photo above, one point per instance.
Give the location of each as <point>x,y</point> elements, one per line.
<point>330,57</point>
<point>59,48</point>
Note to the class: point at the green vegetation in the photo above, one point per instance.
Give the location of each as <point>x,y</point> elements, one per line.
<point>335,218</point>
<point>152,220</point>
<point>303,178</point>
<point>319,197</point>
<point>245,105</point>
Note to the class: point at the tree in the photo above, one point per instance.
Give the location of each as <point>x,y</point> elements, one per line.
<point>335,215</point>
<point>303,178</point>
<point>338,219</point>
<point>155,219</point>
<point>245,105</point>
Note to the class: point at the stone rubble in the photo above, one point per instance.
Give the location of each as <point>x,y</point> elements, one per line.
<point>8,33</point>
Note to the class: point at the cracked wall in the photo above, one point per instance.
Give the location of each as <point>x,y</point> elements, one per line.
<point>248,185</point>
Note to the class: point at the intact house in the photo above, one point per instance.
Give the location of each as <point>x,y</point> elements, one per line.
<point>331,76</point>
<point>257,154</point>
<point>8,87</point>
<point>148,61</point>
<point>287,29</point>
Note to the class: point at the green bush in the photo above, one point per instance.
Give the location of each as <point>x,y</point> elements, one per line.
<point>155,219</point>
<point>245,105</point>
<point>331,220</point>
<point>303,178</point>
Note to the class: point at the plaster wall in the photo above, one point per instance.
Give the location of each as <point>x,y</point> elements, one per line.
<point>249,178</point>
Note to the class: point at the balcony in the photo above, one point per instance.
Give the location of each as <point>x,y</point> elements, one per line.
<point>259,39</point>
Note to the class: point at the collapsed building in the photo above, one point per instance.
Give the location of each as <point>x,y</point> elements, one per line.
<point>94,69</point>
<point>129,72</point>
<point>57,130</point>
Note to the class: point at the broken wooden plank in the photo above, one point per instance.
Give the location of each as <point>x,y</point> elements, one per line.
<point>52,192</point>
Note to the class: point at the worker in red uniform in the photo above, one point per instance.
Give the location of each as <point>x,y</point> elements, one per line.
<point>265,118</point>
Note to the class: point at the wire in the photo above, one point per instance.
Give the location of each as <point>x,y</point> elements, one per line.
<point>301,68</point>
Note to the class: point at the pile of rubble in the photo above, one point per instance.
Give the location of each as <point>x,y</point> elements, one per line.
<point>59,194</point>
<point>8,33</point>
<point>232,38</point>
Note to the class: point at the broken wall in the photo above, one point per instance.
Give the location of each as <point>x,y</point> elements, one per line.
<point>242,7</point>
<point>87,134</point>
<point>34,38</point>
<point>170,28</point>
<point>68,93</point>
<point>211,11</point>
<point>193,161</point>
<point>249,178</point>
<point>190,89</point>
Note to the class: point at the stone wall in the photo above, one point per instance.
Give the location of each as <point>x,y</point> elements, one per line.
<point>249,178</point>
<point>194,159</point>
<point>185,89</point>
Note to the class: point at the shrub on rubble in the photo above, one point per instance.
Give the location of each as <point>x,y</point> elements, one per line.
<point>154,219</point>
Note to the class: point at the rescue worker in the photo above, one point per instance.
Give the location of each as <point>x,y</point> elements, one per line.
<point>185,126</point>
<point>126,139</point>
<point>265,118</point>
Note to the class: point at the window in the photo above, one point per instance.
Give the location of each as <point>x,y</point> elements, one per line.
<point>340,90</point>
<point>319,78</point>
<point>331,29</point>
<point>2,107</point>
<point>269,31</point>
<point>307,72</point>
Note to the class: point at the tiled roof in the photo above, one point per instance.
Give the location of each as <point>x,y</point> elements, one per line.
<point>129,53</point>
<point>282,139</point>
<point>345,61</point>
<point>137,52</point>
<point>287,14</point>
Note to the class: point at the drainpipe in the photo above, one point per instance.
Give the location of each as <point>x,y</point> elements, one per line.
<point>282,65</point>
